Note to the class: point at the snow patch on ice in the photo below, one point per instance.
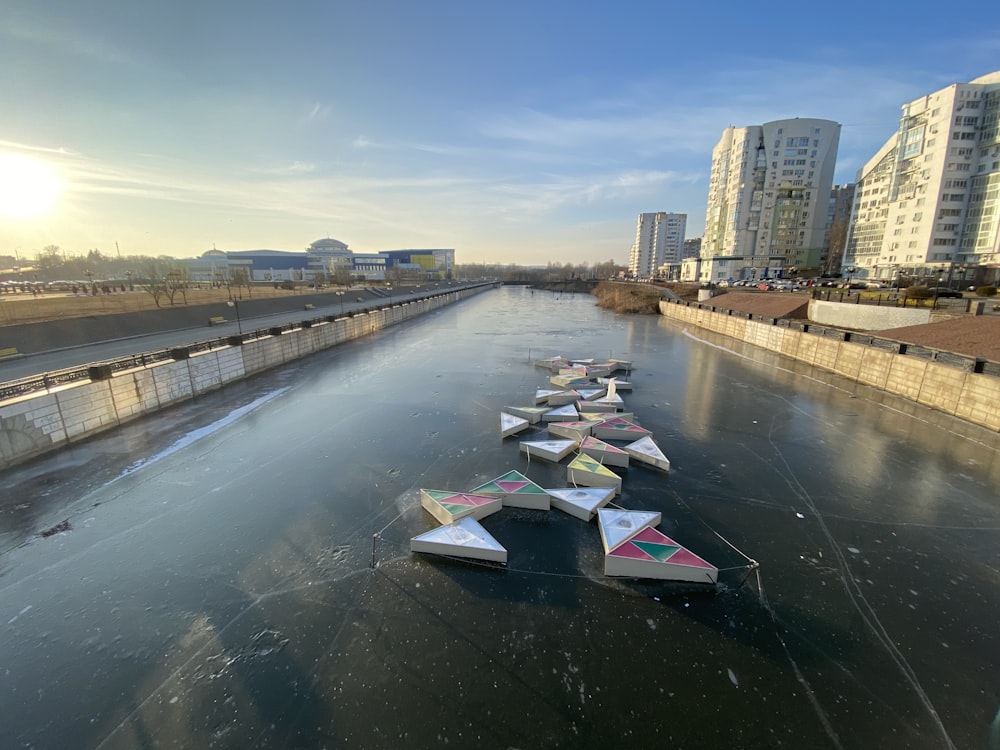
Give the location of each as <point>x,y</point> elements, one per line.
<point>196,435</point>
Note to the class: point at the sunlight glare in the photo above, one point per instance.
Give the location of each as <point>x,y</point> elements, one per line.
<point>28,187</point>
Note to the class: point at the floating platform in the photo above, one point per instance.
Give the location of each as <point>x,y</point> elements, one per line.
<point>648,452</point>
<point>516,491</point>
<point>651,554</point>
<point>542,395</point>
<point>600,405</point>
<point>569,381</point>
<point>448,507</point>
<point>596,417</point>
<point>605,453</point>
<point>532,413</point>
<point>463,538</point>
<point>552,364</point>
<point>572,430</point>
<point>511,425</point>
<point>550,450</point>
<point>618,428</point>
<point>561,398</point>
<point>586,471</point>
<point>567,413</point>
<point>589,394</point>
<point>621,385</point>
<point>581,502</point>
<point>618,525</point>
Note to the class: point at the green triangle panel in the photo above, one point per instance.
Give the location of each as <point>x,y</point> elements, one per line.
<point>660,552</point>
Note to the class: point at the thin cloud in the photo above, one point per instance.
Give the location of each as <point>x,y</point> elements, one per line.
<point>319,112</point>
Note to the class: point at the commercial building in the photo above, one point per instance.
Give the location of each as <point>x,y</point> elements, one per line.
<point>659,241</point>
<point>324,261</point>
<point>767,201</point>
<point>926,204</point>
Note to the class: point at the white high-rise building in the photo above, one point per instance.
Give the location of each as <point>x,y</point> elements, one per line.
<point>927,203</point>
<point>767,200</point>
<point>659,240</point>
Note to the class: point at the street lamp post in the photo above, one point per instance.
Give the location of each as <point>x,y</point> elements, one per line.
<point>389,289</point>
<point>341,296</point>
<point>239,323</point>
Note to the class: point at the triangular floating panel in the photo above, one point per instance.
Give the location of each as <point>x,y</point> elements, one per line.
<point>463,538</point>
<point>561,398</point>
<point>516,491</point>
<point>620,385</point>
<point>618,526</point>
<point>532,413</point>
<point>648,452</point>
<point>565,413</point>
<point>448,507</point>
<point>511,425</point>
<point>550,450</point>
<point>584,470</point>
<point>581,502</point>
<point>651,554</point>
<point>605,453</point>
<point>572,430</point>
<point>542,395</point>
<point>617,428</point>
<point>553,364</point>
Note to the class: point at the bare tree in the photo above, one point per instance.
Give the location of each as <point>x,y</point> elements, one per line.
<point>154,271</point>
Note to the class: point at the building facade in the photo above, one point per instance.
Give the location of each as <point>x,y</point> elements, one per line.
<point>767,200</point>
<point>838,223</point>
<point>659,242</point>
<point>926,204</point>
<point>325,261</point>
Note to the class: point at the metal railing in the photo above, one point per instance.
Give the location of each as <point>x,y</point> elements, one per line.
<point>102,369</point>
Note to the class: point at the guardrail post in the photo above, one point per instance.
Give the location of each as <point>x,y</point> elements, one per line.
<point>99,372</point>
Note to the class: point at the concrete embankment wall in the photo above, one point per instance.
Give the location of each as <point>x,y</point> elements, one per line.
<point>866,317</point>
<point>971,396</point>
<point>36,424</point>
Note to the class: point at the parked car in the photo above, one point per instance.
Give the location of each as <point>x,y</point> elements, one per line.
<point>943,291</point>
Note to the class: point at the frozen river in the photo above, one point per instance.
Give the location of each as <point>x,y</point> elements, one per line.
<point>203,578</point>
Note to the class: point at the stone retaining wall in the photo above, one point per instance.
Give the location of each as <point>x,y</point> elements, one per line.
<point>974,397</point>
<point>35,424</point>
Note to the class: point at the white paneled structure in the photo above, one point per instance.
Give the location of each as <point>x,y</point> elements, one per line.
<point>926,204</point>
<point>767,199</point>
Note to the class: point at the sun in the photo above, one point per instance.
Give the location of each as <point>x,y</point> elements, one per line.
<point>28,187</point>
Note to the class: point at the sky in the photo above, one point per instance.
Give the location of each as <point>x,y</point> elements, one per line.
<point>514,132</point>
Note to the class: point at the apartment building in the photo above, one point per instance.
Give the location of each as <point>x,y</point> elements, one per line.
<point>659,240</point>
<point>767,200</point>
<point>926,204</point>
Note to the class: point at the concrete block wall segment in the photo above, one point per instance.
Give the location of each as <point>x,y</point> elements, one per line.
<point>874,367</point>
<point>172,381</point>
<point>905,376</point>
<point>941,387</point>
<point>87,408</point>
<point>979,401</point>
<point>849,358</point>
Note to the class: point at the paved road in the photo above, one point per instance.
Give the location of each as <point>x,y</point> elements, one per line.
<point>61,359</point>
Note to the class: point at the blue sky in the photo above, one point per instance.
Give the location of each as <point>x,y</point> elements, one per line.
<point>516,132</point>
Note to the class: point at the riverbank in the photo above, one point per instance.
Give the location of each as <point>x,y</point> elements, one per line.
<point>968,395</point>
